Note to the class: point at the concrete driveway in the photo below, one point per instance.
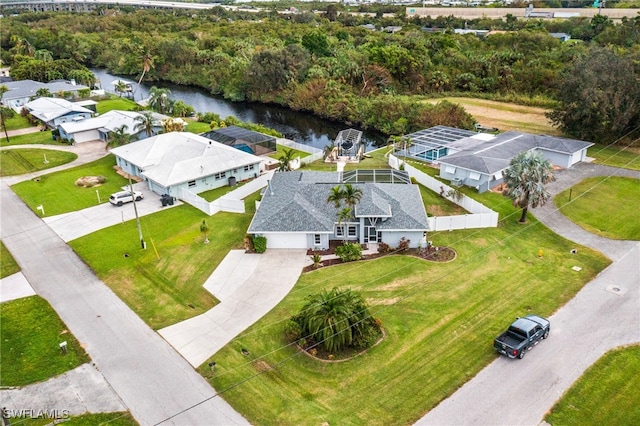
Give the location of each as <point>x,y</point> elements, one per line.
<point>248,286</point>
<point>70,226</point>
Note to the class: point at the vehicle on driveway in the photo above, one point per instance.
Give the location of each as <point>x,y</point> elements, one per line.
<point>522,335</point>
<point>122,197</point>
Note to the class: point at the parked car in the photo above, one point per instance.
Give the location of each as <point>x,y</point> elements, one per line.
<point>522,335</point>
<point>119,198</point>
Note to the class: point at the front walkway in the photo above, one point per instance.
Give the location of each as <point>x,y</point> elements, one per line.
<point>14,287</point>
<point>248,286</point>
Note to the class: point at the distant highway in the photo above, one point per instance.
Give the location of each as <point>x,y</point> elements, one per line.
<point>502,12</point>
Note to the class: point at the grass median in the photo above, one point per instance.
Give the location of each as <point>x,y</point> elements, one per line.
<point>163,284</point>
<point>20,161</point>
<point>58,194</point>
<point>31,334</point>
<point>606,394</point>
<point>439,320</point>
<point>598,204</point>
<point>8,265</point>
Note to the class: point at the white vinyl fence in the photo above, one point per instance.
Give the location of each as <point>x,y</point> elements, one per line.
<point>316,153</point>
<point>231,202</point>
<point>480,216</point>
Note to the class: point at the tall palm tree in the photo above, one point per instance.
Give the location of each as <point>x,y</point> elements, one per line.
<point>45,56</point>
<point>344,214</point>
<point>351,195</point>
<point>335,196</point>
<point>147,64</point>
<point>3,89</point>
<point>118,137</point>
<point>159,100</point>
<point>525,179</point>
<point>120,87</point>
<point>145,122</point>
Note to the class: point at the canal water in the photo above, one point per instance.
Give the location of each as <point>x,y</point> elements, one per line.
<point>298,126</point>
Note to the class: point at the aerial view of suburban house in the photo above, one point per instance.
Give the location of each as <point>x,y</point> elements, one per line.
<point>294,212</point>
<point>170,161</point>
<point>99,128</point>
<point>478,159</point>
<point>55,111</point>
<point>21,92</point>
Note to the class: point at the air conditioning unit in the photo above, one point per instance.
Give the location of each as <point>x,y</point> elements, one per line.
<point>456,182</point>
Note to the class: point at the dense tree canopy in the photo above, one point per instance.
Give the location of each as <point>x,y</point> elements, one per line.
<point>327,64</point>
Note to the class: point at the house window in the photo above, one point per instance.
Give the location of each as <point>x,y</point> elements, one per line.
<point>450,169</point>
<point>316,239</point>
<point>352,231</point>
<point>249,167</point>
<point>340,231</point>
<point>474,176</point>
<point>220,175</point>
<point>191,183</point>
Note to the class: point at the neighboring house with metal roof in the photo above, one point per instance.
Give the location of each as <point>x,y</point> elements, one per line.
<point>55,111</point>
<point>169,161</point>
<point>294,212</point>
<point>22,91</point>
<point>478,161</point>
<point>99,128</point>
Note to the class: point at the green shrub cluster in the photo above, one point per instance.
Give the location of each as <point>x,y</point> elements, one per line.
<point>260,244</point>
<point>349,252</point>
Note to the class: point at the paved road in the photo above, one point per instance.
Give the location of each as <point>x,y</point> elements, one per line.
<point>152,380</point>
<point>520,392</point>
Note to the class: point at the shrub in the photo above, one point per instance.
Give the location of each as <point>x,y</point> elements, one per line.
<point>260,244</point>
<point>403,245</point>
<point>384,248</point>
<point>349,252</point>
<point>316,258</point>
<point>292,331</point>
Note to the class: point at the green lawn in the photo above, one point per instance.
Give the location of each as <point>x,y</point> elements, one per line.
<point>616,157</point>
<point>110,419</point>
<point>16,122</point>
<point>8,265</point>
<point>44,138</point>
<point>599,205</point>
<point>439,320</point>
<point>606,394</point>
<point>376,160</point>
<point>163,284</point>
<point>57,192</point>
<point>214,194</point>
<point>27,160</point>
<point>280,152</point>
<point>195,126</point>
<point>121,104</point>
<point>31,333</point>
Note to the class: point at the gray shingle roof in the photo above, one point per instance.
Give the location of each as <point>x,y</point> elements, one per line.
<point>297,202</point>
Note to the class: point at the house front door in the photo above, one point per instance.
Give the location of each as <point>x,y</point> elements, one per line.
<point>372,234</point>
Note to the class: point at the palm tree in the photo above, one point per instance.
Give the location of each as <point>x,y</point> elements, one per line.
<point>45,56</point>
<point>344,214</point>
<point>118,137</point>
<point>43,92</point>
<point>159,100</point>
<point>336,196</point>
<point>351,195</point>
<point>204,228</point>
<point>147,64</point>
<point>285,160</point>
<point>3,89</point>
<point>120,87</point>
<point>145,122</point>
<point>525,179</point>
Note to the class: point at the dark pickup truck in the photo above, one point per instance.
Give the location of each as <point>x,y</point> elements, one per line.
<point>522,335</point>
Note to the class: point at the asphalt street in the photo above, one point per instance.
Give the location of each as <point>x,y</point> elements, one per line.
<point>151,378</point>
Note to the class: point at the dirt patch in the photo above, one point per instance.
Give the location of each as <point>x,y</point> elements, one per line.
<point>506,116</point>
<point>90,181</point>
<point>261,366</point>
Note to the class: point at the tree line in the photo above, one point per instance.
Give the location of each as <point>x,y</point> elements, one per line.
<point>330,65</point>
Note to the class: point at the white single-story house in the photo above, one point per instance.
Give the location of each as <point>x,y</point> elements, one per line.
<point>99,128</point>
<point>169,161</point>
<point>294,212</point>
<point>22,91</point>
<point>55,111</point>
<point>478,159</point>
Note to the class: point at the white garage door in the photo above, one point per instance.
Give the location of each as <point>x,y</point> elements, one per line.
<point>286,240</point>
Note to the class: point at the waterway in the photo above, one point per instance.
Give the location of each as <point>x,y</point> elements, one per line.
<point>298,126</point>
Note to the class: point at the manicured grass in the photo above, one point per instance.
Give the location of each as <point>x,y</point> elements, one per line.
<point>613,156</point>
<point>163,284</point>
<point>214,194</point>
<point>606,394</point>
<point>57,192</point>
<point>121,104</point>
<point>16,122</point>
<point>31,333</point>
<point>111,419</point>
<point>8,265</point>
<point>43,138</point>
<point>439,321</point>
<point>280,152</point>
<point>20,161</point>
<point>599,205</point>
<point>376,160</point>
<point>194,126</point>
<point>435,205</point>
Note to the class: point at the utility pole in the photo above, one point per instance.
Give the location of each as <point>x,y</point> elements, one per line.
<point>135,209</point>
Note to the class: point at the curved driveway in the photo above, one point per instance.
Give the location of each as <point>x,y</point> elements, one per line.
<point>603,315</point>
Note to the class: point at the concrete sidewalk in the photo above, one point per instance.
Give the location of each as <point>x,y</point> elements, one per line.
<point>248,286</point>
<point>14,287</point>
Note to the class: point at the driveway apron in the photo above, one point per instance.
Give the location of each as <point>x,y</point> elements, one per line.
<point>152,380</point>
